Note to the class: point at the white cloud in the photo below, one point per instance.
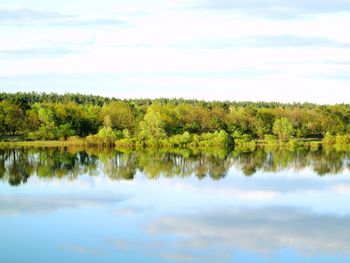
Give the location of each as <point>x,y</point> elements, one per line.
<point>276,8</point>
<point>286,59</point>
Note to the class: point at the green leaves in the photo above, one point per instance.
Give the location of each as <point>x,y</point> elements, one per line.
<point>283,128</point>
<point>169,121</point>
<point>12,118</point>
<point>152,125</point>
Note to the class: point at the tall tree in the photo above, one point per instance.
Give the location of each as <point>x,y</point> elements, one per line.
<point>283,128</point>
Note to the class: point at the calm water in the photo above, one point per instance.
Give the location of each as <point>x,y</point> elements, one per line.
<point>71,205</point>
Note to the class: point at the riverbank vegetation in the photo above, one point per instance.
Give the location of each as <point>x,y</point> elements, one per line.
<point>170,123</point>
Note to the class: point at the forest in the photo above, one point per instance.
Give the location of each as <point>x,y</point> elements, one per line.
<point>168,122</point>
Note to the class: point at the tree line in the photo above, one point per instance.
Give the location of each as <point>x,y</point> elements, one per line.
<point>173,122</point>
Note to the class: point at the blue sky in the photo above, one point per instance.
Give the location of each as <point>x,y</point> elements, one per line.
<point>271,50</point>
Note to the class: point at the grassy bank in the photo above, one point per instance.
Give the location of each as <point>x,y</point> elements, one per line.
<point>106,138</point>
<point>238,144</point>
<point>54,143</point>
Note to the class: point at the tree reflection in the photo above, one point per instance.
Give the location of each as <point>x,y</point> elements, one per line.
<point>60,162</point>
<point>17,165</point>
<point>121,166</point>
<point>329,162</point>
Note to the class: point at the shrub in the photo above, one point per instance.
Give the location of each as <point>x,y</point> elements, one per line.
<point>328,139</point>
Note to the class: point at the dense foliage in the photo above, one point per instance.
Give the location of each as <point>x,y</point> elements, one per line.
<point>166,122</point>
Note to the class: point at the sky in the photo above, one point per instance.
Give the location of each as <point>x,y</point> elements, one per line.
<point>256,50</point>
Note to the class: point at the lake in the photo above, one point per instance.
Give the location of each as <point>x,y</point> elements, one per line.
<point>90,205</point>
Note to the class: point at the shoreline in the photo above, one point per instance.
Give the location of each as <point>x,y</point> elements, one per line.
<point>311,144</point>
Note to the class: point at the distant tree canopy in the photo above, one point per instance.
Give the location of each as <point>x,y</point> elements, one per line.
<point>53,116</point>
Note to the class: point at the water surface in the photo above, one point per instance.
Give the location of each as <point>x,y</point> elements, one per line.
<point>89,205</point>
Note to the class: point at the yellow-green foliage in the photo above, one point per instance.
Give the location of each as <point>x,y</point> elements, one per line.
<point>342,142</point>
<point>283,128</point>
<point>245,143</point>
<point>271,140</point>
<point>169,122</point>
<point>292,144</point>
<point>328,139</point>
<point>185,140</point>
<point>77,142</point>
<point>342,139</point>
<point>314,146</point>
<point>338,142</point>
<point>105,136</point>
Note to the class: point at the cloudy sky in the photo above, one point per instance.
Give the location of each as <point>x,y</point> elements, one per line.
<point>270,50</point>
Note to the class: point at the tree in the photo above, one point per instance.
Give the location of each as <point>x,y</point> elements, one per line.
<point>48,128</point>
<point>152,126</point>
<point>263,122</point>
<point>283,128</point>
<point>32,120</point>
<point>2,119</point>
<point>12,118</point>
<point>121,115</point>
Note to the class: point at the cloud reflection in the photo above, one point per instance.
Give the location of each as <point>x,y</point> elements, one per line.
<point>83,250</point>
<point>263,230</point>
<point>26,204</point>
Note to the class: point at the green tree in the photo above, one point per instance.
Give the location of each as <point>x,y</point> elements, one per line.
<point>12,118</point>
<point>48,127</point>
<point>263,122</point>
<point>283,128</point>
<point>121,115</point>
<point>152,126</point>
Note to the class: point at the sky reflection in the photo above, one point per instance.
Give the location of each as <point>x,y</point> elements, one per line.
<point>286,215</point>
